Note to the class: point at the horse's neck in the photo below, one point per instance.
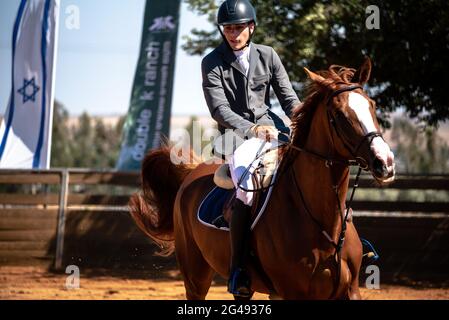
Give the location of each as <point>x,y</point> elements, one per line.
<point>317,181</point>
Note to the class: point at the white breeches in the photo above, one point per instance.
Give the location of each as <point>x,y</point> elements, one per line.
<point>245,156</point>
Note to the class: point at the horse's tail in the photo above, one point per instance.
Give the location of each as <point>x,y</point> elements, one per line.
<point>152,209</point>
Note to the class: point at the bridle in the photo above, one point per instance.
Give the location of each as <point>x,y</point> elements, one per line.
<point>329,162</point>
<point>341,133</point>
<point>357,161</point>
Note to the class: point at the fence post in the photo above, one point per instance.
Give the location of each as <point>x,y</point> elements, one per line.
<point>63,195</point>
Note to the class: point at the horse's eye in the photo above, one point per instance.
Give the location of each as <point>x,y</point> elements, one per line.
<point>340,115</point>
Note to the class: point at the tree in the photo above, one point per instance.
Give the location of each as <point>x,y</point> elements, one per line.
<point>106,144</point>
<point>88,144</point>
<point>62,144</point>
<point>101,145</point>
<point>196,133</point>
<point>83,138</point>
<point>418,150</point>
<point>410,50</point>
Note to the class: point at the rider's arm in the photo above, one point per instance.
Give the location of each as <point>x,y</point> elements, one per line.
<point>282,86</point>
<point>218,104</point>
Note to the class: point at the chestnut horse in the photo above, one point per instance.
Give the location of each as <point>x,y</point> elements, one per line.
<point>298,241</point>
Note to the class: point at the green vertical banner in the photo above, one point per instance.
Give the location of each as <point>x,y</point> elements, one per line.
<point>148,118</point>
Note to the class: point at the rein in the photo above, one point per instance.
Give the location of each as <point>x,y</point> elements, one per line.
<point>329,162</point>
<point>360,162</point>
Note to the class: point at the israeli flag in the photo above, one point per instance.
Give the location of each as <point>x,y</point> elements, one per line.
<point>25,132</point>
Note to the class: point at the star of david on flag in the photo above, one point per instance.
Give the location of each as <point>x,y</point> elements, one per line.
<point>25,132</point>
<point>25,90</point>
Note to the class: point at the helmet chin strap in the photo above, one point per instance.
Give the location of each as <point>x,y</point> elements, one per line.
<point>245,46</point>
<point>247,43</point>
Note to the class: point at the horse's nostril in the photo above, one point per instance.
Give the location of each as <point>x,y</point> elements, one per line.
<point>379,168</point>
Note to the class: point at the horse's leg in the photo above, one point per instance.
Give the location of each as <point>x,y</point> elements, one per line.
<point>354,290</point>
<point>196,272</point>
<point>354,262</point>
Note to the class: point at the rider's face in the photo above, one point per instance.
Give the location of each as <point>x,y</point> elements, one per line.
<point>238,35</point>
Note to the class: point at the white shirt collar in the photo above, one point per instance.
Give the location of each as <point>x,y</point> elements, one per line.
<point>243,58</point>
<point>244,53</point>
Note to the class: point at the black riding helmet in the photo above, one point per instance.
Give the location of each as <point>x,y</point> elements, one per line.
<point>235,12</point>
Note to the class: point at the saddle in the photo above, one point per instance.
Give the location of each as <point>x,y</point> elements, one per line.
<point>263,174</point>
<point>216,209</point>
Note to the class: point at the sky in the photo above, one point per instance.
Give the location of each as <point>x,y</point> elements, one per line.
<point>96,63</point>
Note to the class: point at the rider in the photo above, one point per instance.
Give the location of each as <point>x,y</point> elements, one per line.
<point>237,76</point>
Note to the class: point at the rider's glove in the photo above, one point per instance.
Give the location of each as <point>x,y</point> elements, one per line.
<point>265,132</point>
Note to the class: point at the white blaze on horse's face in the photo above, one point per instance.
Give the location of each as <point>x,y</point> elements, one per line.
<point>360,105</point>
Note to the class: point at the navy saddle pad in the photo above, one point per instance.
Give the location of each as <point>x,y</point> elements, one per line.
<point>210,211</point>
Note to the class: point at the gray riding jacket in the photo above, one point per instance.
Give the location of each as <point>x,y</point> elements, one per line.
<point>237,101</point>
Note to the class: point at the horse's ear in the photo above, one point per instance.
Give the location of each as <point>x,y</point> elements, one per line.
<point>363,73</point>
<point>313,76</point>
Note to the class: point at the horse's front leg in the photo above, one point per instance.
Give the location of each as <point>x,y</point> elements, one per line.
<point>354,251</point>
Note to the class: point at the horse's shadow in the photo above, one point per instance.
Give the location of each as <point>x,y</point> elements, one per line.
<point>110,244</point>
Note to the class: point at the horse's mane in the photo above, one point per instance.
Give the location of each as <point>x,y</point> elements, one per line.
<point>315,93</point>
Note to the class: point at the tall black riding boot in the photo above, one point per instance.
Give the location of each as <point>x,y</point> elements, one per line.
<point>239,283</point>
